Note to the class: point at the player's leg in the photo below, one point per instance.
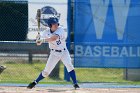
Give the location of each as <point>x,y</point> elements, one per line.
<point>66,59</point>
<point>51,63</point>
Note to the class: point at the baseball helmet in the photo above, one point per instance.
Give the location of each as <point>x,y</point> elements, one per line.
<point>48,12</point>
<point>52,20</point>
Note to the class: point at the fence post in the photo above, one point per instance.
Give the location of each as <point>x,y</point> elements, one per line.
<point>30,58</point>
<point>66,74</point>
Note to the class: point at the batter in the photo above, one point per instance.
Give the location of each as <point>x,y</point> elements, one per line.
<point>56,38</point>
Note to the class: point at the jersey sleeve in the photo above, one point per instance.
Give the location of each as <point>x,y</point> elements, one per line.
<point>60,32</point>
<point>43,34</point>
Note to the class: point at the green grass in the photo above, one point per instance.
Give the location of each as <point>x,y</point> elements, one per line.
<point>25,73</point>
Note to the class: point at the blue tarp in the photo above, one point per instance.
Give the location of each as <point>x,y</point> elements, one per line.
<point>107,33</point>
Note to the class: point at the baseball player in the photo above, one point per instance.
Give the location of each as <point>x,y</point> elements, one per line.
<point>57,44</point>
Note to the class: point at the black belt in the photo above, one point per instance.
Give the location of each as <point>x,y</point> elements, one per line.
<point>58,50</point>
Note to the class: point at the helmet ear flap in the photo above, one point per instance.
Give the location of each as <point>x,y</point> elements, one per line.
<point>50,25</point>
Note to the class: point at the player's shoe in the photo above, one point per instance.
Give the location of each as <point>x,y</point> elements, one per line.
<point>31,85</point>
<point>76,86</point>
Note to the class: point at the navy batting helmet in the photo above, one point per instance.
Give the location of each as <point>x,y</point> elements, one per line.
<point>46,13</point>
<point>52,20</point>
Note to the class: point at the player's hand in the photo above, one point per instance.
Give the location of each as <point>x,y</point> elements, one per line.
<point>38,42</point>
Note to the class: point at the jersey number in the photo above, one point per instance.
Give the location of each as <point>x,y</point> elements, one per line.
<point>58,42</point>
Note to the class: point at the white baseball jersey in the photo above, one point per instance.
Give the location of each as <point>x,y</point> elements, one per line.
<point>58,44</point>
<point>55,55</point>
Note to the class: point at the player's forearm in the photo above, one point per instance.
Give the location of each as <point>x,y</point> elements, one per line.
<point>47,39</point>
<point>50,39</point>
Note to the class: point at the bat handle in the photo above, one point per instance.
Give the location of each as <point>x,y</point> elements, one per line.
<point>38,36</point>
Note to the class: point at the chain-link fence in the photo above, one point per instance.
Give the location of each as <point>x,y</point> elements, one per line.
<point>14,27</point>
<point>13,21</point>
<point>15,52</point>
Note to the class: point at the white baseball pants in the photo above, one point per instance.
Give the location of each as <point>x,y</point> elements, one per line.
<point>54,58</point>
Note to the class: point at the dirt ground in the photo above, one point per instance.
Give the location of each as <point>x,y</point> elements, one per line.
<point>67,90</point>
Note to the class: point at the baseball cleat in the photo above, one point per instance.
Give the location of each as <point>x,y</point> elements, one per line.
<point>31,85</point>
<point>76,86</point>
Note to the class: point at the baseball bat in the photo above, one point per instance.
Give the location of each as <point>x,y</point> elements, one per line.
<point>38,16</point>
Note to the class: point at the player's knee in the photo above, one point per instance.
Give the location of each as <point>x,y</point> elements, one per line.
<point>45,73</point>
<point>69,67</point>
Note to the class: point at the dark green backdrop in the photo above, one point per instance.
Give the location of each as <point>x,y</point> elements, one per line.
<point>13,21</point>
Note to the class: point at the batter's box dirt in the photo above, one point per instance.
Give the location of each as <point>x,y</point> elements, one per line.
<point>67,90</point>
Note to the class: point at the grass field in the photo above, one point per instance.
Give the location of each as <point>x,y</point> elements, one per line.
<point>24,73</point>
